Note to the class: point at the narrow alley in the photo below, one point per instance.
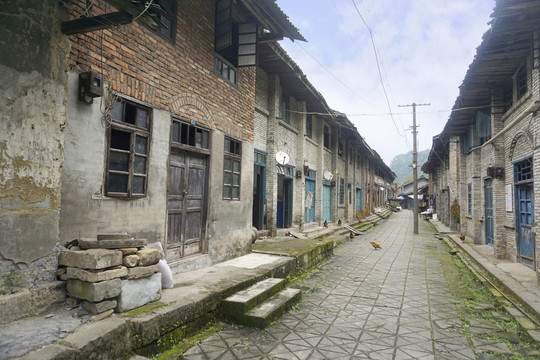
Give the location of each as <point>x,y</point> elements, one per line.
<point>402,302</point>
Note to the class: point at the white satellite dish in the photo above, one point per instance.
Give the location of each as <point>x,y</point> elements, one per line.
<point>282,158</point>
<point>327,175</point>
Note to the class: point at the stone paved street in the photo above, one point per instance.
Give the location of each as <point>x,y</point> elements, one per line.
<point>392,303</point>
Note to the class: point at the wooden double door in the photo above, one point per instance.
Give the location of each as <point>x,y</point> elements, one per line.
<point>186,204</point>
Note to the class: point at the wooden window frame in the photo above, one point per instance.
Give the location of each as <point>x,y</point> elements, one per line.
<point>234,155</point>
<point>121,125</point>
<point>327,138</point>
<point>309,126</point>
<point>286,107</point>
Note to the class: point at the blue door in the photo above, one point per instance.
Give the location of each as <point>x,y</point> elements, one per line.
<point>327,203</point>
<point>310,194</point>
<point>524,195</point>
<point>488,191</point>
<point>358,198</point>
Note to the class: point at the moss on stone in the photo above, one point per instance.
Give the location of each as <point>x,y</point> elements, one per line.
<point>145,309</point>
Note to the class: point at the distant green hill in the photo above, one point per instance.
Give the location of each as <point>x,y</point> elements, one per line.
<point>404,172</point>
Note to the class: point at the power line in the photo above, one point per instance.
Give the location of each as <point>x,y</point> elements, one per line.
<point>334,76</point>
<point>378,68</point>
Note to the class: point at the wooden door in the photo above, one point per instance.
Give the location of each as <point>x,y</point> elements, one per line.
<point>186,204</point>
<point>310,201</point>
<point>327,203</point>
<point>525,218</point>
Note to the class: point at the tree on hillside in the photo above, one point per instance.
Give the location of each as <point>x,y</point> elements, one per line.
<point>400,165</point>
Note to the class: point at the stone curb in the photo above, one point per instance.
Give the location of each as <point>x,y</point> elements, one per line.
<point>121,334</point>
<point>509,285</point>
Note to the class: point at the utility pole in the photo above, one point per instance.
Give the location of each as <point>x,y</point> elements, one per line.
<point>415,166</point>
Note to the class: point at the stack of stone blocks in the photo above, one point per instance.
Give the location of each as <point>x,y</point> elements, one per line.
<point>113,271</point>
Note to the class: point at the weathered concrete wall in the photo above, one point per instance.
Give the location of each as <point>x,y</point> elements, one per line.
<point>32,117</point>
<point>229,221</point>
<point>85,210</point>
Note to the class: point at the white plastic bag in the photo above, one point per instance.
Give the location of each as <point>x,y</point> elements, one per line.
<point>166,275</point>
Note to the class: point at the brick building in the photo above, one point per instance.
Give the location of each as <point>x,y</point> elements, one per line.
<point>484,164</point>
<point>123,116</point>
<point>329,173</point>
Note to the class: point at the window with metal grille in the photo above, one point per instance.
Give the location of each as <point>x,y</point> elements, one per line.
<point>524,171</point>
<point>231,169</point>
<point>521,81</point>
<point>341,191</point>
<point>128,149</point>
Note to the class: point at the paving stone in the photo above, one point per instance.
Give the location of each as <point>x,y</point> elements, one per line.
<point>94,292</point>
<point>525,322</point>
<point>90,259</point>
<point>535,334</point>
<point>483,346</point>
<point>142,271</point>
<point>95,276</point>
<point>148,256</point>
<point>138,292</point>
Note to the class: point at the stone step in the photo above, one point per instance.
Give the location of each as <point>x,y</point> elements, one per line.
<point>235,306</point>
<point>264,314</point>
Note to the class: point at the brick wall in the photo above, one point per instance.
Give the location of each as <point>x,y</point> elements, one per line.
<point>177,76</point>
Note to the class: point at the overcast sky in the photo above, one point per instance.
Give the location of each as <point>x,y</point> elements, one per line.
<point>424,48</point>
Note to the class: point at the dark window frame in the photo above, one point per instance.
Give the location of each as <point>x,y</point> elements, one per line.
<point>309,126</point>
<point>286,107</point>
<point>127,122</point>
<point>233,154</point>
<point>521,81</point>
<point>327,139</point>
<point>186,135</point>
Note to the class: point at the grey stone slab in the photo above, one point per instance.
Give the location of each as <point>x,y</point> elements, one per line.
<point>95,276</point>
<point>90,259</point>
<point>139,272</point>
<point>138,292</point>
<point>99,307</point>
<point>114,236</point>
<point>111,244</point>
<point>94,292</point>
<point>245,300</point>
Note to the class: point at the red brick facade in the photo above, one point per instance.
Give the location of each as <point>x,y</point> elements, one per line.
<point>177,76</point>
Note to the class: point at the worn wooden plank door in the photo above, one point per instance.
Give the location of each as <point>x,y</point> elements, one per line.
<point>186,202</point>
<point>327,203</point>
<point>310,195</point>
<point>525,218</point>
<point>488,198</point>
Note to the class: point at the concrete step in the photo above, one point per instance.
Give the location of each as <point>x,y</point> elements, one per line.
<point>267,312</point>
<point>235,306</point>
